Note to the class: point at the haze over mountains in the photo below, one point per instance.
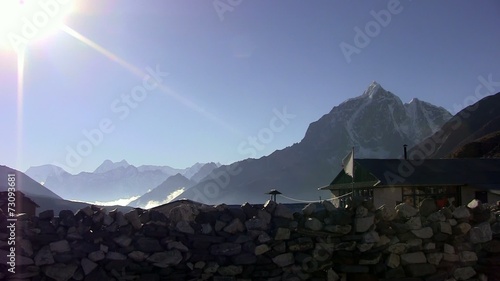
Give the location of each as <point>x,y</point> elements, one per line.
<point>376,123</point>
<point>109,182</point>
<point>44,197</point>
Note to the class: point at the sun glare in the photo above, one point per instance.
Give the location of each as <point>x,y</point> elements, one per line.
<point>23,21</point>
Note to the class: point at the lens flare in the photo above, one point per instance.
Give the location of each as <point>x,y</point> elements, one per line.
<point>24,21</point>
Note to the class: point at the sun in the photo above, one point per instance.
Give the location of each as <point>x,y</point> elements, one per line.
<point>23,21</point>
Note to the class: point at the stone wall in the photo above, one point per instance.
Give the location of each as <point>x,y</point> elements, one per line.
<point>269,242</point>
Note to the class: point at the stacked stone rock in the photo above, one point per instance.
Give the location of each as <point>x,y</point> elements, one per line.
<point>269,242</point>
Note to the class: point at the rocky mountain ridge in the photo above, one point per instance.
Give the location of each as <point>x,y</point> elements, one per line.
<point>376,123</point>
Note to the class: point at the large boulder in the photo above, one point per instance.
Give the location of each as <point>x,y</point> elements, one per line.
<point>427,207</point>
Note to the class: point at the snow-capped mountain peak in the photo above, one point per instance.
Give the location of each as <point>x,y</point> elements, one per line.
<point>373,88</point>
<point>377,123</point>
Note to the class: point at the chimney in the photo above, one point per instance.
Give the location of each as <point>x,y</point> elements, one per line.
<point>405,153</point>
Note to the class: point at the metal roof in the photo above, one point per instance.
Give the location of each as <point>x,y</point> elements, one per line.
<point>426,172</point>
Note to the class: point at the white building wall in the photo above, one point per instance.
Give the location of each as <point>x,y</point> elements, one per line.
<point>386,196</point>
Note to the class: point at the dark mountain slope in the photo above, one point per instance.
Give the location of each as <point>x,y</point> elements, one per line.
<point>471,123</point>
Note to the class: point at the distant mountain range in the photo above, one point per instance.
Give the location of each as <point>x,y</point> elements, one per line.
<point>376,123</point>
<point>110,181</point>
<point>164,193</point>
<point>44,197</point>
<point>172,187</point>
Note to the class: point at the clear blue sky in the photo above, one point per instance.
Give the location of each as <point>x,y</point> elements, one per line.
<point>229,71</point>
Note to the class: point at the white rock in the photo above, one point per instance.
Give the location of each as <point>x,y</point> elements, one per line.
<point>406,211</point>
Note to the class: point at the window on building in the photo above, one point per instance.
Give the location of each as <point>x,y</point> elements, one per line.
<point>442,195</point>
<point>365,193</point>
